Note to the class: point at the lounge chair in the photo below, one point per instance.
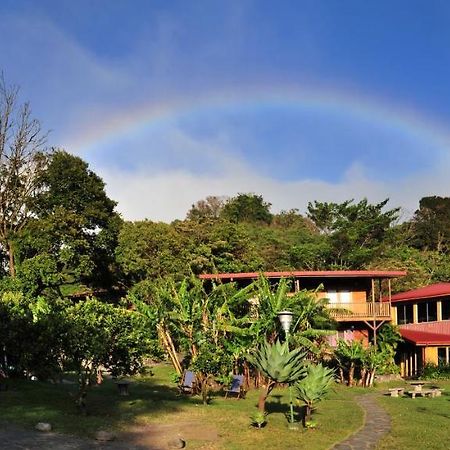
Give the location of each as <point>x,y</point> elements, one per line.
<point>236,387</point>
<point>187,384</point>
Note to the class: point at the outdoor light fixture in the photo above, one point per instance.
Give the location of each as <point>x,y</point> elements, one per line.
<point>285,318</point>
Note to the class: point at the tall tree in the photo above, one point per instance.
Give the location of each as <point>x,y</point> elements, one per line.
<point>355,230</point>
<point>75,226</point>
<point>23,158</point>
<point>431,224</point>
<point>247,208</point>
<point>209,208</point>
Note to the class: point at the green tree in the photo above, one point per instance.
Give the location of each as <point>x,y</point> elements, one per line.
<point>431,224</point>
<point>355,230</point>
<point>247,208</point>
<point>102,335</point>
<point>150,250</point>
<point>73,233</point>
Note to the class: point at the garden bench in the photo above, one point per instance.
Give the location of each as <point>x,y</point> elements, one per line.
<point>395,392</point>
<point>424,393</point>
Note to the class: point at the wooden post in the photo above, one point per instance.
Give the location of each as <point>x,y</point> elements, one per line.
<point>374,313</point>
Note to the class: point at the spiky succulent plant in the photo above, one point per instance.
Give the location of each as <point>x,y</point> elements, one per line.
<point>277,363</point>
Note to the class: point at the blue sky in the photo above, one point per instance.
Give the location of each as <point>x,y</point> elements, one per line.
<point>296,100</point>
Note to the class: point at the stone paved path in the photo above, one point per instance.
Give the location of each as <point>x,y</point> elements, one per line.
<point>377,423</point>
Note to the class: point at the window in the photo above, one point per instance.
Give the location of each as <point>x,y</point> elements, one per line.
<point>443,355</point>
<point>446,308</point>
<point>427,311</point>
<point>405,314</point>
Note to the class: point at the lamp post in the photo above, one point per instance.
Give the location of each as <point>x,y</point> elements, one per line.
<point>286,318</point>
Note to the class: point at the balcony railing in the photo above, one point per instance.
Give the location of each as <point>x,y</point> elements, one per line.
<point>360,311</point>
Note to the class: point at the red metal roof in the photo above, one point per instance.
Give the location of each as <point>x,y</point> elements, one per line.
<point>434,290</point>
<point>425,338</point>
<point>307,274</point>
<point>440,327</point>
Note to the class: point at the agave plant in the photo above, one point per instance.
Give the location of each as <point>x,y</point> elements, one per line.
<point>279,365</point>
<point>313,388</point>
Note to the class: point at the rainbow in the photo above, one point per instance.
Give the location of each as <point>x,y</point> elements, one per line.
<point>148,116</point>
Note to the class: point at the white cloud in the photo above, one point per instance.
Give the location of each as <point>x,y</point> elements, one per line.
<point>168,194</point>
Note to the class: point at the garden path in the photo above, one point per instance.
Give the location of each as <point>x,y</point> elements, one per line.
<point>377,423</point>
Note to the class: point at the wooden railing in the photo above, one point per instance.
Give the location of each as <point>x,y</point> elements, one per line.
<point>360,311</point>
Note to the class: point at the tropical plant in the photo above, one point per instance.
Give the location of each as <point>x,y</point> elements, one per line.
<point>258,419</point>
<point>314,387</point>
<point>348,355</point>
<point>279,365</point>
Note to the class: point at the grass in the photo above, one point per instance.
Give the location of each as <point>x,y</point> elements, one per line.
<point>419,423</point>
<point>155,400</point>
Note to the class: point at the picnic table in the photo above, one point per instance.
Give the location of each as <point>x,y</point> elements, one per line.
<point>418,385</point>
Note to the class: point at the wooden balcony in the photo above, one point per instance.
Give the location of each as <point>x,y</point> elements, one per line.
<point>350,312</point>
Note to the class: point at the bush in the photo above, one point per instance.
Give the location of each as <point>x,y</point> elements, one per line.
<point>436,372</point>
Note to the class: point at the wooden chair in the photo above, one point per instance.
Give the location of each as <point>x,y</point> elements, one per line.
<point>187,384</point>
<point>236,387</point>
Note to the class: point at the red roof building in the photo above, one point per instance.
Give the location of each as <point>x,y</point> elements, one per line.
<point>423,315</point>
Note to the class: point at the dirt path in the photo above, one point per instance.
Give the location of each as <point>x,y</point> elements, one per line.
<point>147,437</point>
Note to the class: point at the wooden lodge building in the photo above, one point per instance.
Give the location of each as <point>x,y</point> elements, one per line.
<point>423,316</point>
<point>355,296</point>
<point>361,301</point>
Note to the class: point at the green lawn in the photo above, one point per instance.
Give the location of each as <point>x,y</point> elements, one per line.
<point>422,423</point>
<point>224,424</point>
<point>154,400</point>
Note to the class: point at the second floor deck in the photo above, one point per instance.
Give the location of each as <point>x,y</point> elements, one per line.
<point>368,311</point>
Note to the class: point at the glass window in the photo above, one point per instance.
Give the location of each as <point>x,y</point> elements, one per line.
<point>405,314</point>
<point>442,355</point>
<point>445,308</point>
<point>427,311</point>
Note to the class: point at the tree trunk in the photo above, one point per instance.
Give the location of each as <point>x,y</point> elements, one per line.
<point>308,413</point>
<point>362,381</point>
<point>351,372</point>
<point>264,393</point>
<point>169,348</point>
<point>341,375</point>
<point>12,266</point>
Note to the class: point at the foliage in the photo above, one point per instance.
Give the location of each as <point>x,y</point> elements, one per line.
<point>355,231</point>
<point>348,355</point>
<point>432,371</point>
<point>103,335</point>
<point>258,419</point>
<point>314,387</point>
<point>247,208</point>
<point>73,233</point>
<point>388,338</point>
<point>431,224</point>
<point>278,363</point>
<point>207,209</point>
<point>27,321</point>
